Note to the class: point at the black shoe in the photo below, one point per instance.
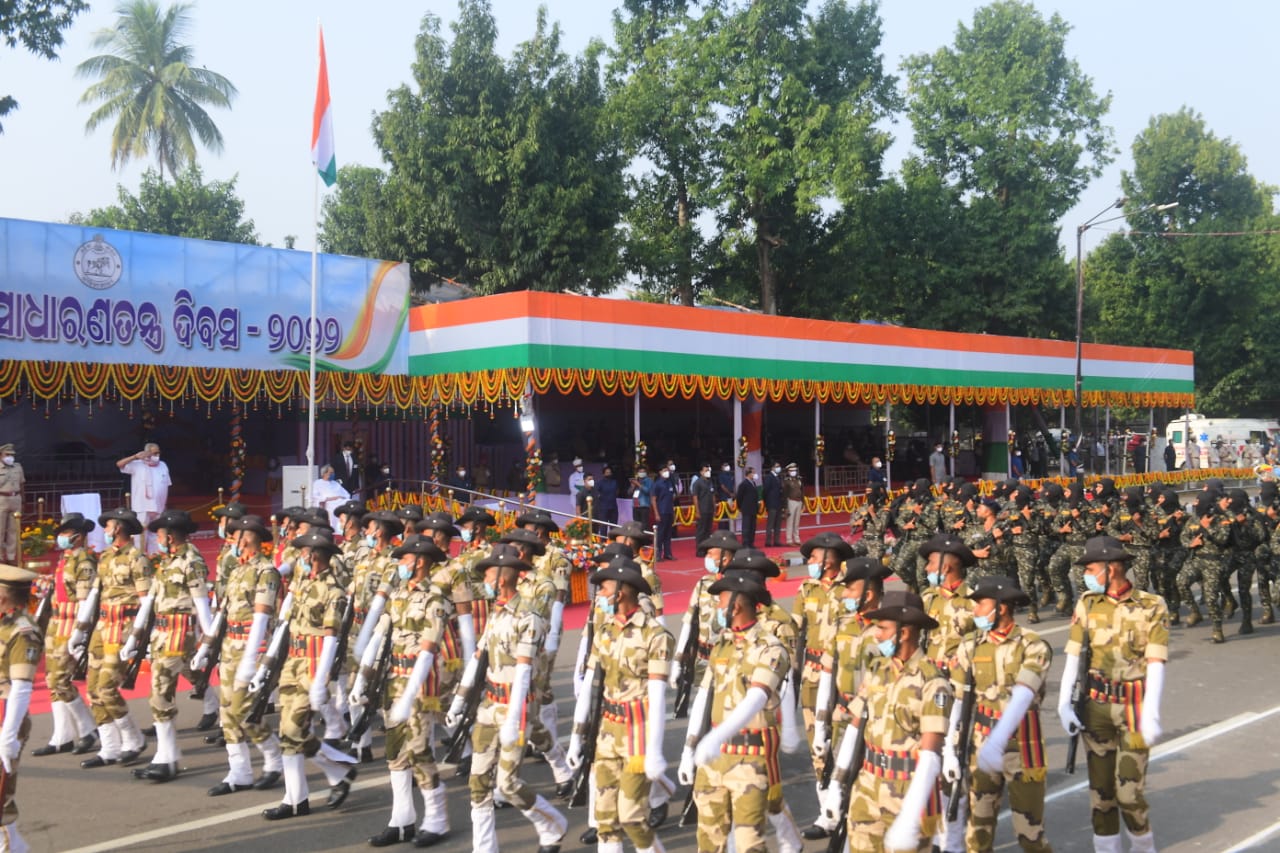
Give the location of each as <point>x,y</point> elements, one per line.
<point>564,789</point>
<point>53,750</point>
<point>366,754</point>
<point>268,780</point>
<point>428,839</point>
<point>149,731</point>
<point>815,833</point>
<point>549,848</point>
<point>392,835</point>
<point>338,793</point>
<point>224,788</point>
<point>98,761</point>
<point>501,804</point>
<point>463,767</point>
<point>591,836</point>
<point>157,772</point>
<point>88,743</point>
<point>657,816</point>
<point>130,756</point>
<point>285,810</point>
<point>207,721</point>
<point>215,740</point>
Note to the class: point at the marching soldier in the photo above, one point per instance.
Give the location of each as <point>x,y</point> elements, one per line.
<point>180,600</point>
<point>124,577</point>
<point>20,641</point>
<point>1025,525</point>
<point>699,625</point>
<point>947,600</point>
<point>1127,633</point>
<point>634,536</point>
<point>1207,538</point>
<point>512,639</point>
<point>986,540</point>
<point>1248,534</point>
<point>871,520</point>
<point>313,615</point>
<point>252,592</point>
<point>371,582</point>
<point>631,654</point>
<point>733,735</point>
<point>1006,667</point>
<point>1167,555</point>
<point>74,730</point>
<point>417,616</point>
<point>225,563</point>
<point>350,516</point>
<point>1074,526</point>
<point>554,566</point>
<point>1132,526</point>
<point>914,522</point>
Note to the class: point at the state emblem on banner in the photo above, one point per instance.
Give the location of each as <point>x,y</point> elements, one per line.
<point>97,263</point>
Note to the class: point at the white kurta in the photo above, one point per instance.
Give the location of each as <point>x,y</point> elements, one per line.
<point>328,495</point>
<point>149,490</point>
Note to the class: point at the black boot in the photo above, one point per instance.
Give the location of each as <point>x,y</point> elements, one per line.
<point>338,793</point>
<point>392,835</point>
<point>53,750</point>
<point>157,772</point>
<point>284,810</point>
<point>88,743</point>
<point>207,721</point>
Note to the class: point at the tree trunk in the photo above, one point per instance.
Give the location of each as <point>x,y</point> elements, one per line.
<point>684,287</point>
<point>768,280</point>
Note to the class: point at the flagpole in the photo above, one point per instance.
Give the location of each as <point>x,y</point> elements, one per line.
<point>313,324</point>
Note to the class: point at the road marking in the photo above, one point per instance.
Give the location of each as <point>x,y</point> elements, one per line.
<point>1254,839</point>
<point>212,820</point>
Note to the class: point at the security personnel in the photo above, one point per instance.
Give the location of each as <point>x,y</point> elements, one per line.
<point>1248,533</point>
<point>1074,525</point>
<point>728,761</point>
<point>1207,538</point>
<point>252,595</point>
<point>473,527</point>
<point>225,563</point>
<point>417,616</point>
<point>1132,525</point>
<point>124,577</point>
<point>1127,631</point>
<point>631,654</point>
<point>633,535</point>
<point>1168,555</point>
<point>372,580</point>
<point>1006,667</point>
<point>73,726</point>
<point>946,599</point>
<point>870,520</point>
<point>180,599</point>
<point>20,644</point>
<point>1025,526</point>
<point>555,567</point>
<point>309,619</point>
<point>894,803</point>
<point>512,640</point>
<point>12,479</point>
<point>716,552</point>
<point>350,516</point>
<point>915,520</point>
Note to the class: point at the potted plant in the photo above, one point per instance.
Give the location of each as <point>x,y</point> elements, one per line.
<point>578,531</point>
<point>38,552</point>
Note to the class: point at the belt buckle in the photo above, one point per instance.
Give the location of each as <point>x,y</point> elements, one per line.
<point>881,760</point>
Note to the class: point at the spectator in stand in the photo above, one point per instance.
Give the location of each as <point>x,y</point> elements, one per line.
<point>748,499</point>
<point>937,464</point>
<point>328,494</point>
<point>793,491</point>
<point>12,480</point>
<point>664,503</point>
<point>148,487</point>
<point>589,493</point>
<point>704,501</point>
<point>1017,468</point>
<point>772,494</point>
<point>607,486</point>
<point>641,497</point>
<point>875,474</point>
<point>461,483</point>
<point>577,478</point>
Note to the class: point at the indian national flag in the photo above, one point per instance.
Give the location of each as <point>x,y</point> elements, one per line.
<point>322,126</point>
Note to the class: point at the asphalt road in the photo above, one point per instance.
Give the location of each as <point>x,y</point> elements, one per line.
<point>1214,783</point>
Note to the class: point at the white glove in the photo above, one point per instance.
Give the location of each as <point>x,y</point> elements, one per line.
<point>75,645</point>
<point>512,726</point>
<point>286,568</point>
<point>15,712</point>
<point>319,693</point>
<point>403,706</point>
<point>950,763</point>
<point>1149,724</point>
<point>674,679</point>
<point>201,660</point>
<point>686,772</point>
<point>356,697</point>
<point>1066,714</point>
<point>552,644</point>
<point>821,736</point>
<point>991,756</point>
<point>792,734</point>
<point>454,715</point>
<point>574,756</point>
<point>904,834</point>
<point>1070,722</point>
<point>509,734</point>
<point>129,649</point>
<point>709,747</point>
<point>257,630</point>
<point>829,800</point>
<point>655,765</point>
<point>258,680</point>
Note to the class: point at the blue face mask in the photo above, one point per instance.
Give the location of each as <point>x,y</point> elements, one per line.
<point>64,541</point>
<point>235,549</point>
<point>489,591</point>
<point>815,570</point>
<point>850,605</point>
<point>606,605</point>
<point>934,578</point>
<point>722,618</point>
<point>404,571</point>
<point>886,648</point>
<point>371,540</point>
<point>467,533</point>
<point>983,623</point>
<point>1092,584</point>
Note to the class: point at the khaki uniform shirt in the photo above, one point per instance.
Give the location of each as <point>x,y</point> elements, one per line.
<point>905,700</point>
<point>631,652</point>
<point>20,648</point>
<point>953,611</point>
<point>253,583</point>
<point>1123,633</point>
<point>739,660</point>
<point>179,579</point>
<point>999,664</point>
<point>79,571</point>
<point>124,575</point>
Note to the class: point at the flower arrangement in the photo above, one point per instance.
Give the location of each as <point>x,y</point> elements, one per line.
<point>642,454</point>
<point>955,443</point>
<point>742,451</point>
<point>578,529</point>
<point>38,537</point>
<point>819,450</point>
<point>533,472</point>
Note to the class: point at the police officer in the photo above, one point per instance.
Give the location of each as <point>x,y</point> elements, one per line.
<point>1127,631</point>
<point>699,626</point>
<point>20,639</point>
<point>1005,667</point>
<point>12,479</point>
<point>73,727</point>
<point>371,582</point>
<point>633,535</point>
<point>225,563</point>
<point>814,611</point>
<point>124,577</point>
<point>946,599</point>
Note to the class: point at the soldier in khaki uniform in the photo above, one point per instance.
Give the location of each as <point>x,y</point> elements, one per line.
<point>12,479</point>
<point>417,616</point>
<point>372,580</point>
<point>512,639</point>
<point>895,803</point>
<point>1006,668</point>
<point>124,577</point>
<point>716,552</point>
<point>1127,630</point>
<point>631,653</point>
<point>729,763</point>
<point>20,644</point>
<point>225,563</point>
<point>73,726</point>
<point>633,535</point>
<point>309,621</point>
<point>555,566</point>
<point>252,594</point>
<point>180,599</point>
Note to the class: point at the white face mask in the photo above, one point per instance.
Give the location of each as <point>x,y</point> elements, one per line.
<point>666,474</point>
<point>755,478</point>
<point>710,564</point>
<point>777,470</point>
<point>876,464</point>
<point>153,461</point>
<point>724,467</point>
<point>589,483</point>
<point>671,467</point>
<point>8,460</point>
<point>462,472</point>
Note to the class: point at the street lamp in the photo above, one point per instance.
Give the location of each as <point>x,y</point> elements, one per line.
<point>1096,220</point>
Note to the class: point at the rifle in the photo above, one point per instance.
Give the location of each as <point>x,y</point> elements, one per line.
<point>458,739</point>
<point>82,662</point>
<point>273,662</point>
<point>847,776</point>
<point>344,634</point>
<point>828,766</point>
<point>689,814</point>
<point>44,610</point>
<point>200,678</point>
<point>688,663</point>
<point>130,676</point>
<point>376,688</point>
<point>964,746</point>
<point>582,776</point>
<point>1079,701</point>
<point>797,658</point>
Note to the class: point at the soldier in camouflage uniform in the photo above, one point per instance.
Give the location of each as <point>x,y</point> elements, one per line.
<point>455,583</point>
<point>915,520</point>
<point>124,576</point>
<point>1006,667</point>
<point>1074,525</point>
<point>512,639</point>
<point>631,653</point>
<point>1127,631</point>
<point>633,535</point>
<point>1248,534</point>
<point>947,600</point>
<point>284,555</point>
<point>417,616</point>
<point>554,566</point>
<point>1207,539</point>
<point>73,726</point>
<point>717,551</point>
<point>870,520</point>
<point>1133,526</point>
<point>180,598</point>
<point>1269,552</point>
<point>371,582</point>
<point>1046,509</point>
<point>1167,553</point>
<point>987,540</point>
<point>894,803</point>
<point>730,750</point>
<point>252,594</point>
<point>225,564</point>
<point>20,644</point>
<point>1025,525</point>
<point>309,621</point>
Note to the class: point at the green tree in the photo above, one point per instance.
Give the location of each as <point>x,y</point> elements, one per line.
<point>184,207</point>
<point>37,25</point>
<point>148,84</point>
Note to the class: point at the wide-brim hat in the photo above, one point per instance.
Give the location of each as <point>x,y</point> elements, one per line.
<point>437,522</point>
<point>828,541</point>
<point>1103,549</point>
<point>904,607</point>
<point>722,539</point>
<point>127,517</point>
<point>863,569</point>
<point>613,551</point>
<point>742,583</point>
<point>478,515</point>
<point>176,520</point>
<point>231,509</point>
<point>502,555</point>
<point>1002,589</point>
<point>540,517</point>
<point>290,513</point>
<point>314,517</point>
<point>77,522</point>
<point>393,522</point>
<point>410,514</point>
<point>7,447</point>
<point>352,507</point>
<point>756,561</point>
<point>622,570</point>
<point>250,522</point>
<point>634,530</point>
<point>420,545</point>
<point>16,577</point>
<point>520,536</point>
<point>948,543</point>
<point>315,540</point>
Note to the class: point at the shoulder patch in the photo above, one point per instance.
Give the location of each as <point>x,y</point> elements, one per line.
<point>940,699</point>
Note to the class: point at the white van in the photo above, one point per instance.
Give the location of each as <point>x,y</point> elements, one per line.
<point>1235,441</point>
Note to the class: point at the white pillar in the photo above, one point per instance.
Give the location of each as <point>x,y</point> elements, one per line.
<point>951,430</point>
<point>1106,444</point>
<point>817,475</point>
<point>1062,444</point>
<point>733,445</point>
<point>1008,446</point>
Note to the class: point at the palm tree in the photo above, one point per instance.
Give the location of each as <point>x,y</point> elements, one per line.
<point>147,83</point>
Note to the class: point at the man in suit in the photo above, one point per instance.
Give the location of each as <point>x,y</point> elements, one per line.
<point>772,494</point>
<point>346,468</point>
<point>748,499</point>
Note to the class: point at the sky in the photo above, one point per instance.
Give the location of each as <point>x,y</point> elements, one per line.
<point>1152,57</point>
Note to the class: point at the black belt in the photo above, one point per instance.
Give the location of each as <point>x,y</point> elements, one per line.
<point>755,739</point>
<point>1113,692</point>
<point>883,763</point>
